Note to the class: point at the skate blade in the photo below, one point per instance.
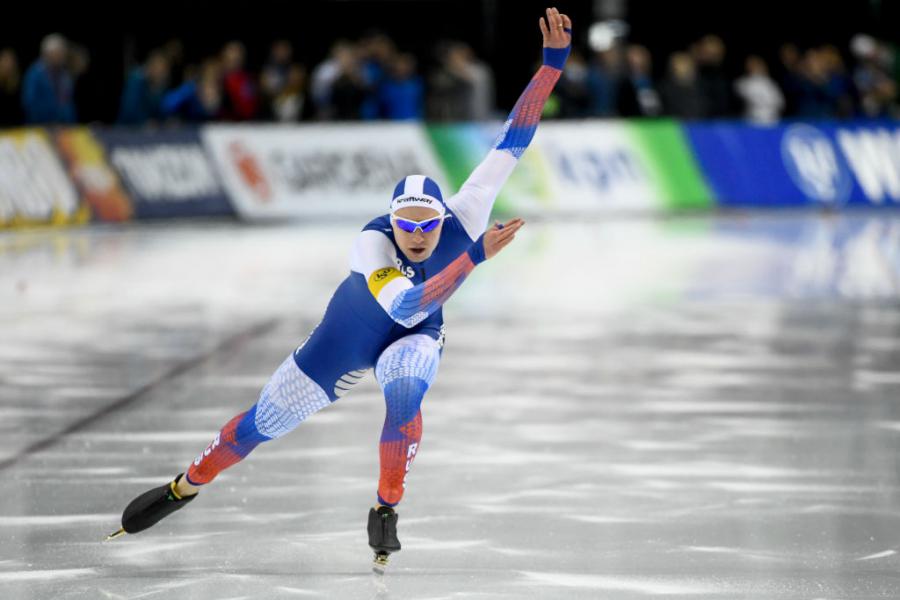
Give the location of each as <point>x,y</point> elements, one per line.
<point>114,535</point>
<point>379,565</point>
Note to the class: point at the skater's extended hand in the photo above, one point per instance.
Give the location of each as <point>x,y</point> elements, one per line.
<point>497,237</point>
<point>557,30</point>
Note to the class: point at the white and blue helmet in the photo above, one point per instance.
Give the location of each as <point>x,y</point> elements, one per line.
<point>418,190</point>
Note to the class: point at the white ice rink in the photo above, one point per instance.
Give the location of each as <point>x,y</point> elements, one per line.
<point>705,407</point>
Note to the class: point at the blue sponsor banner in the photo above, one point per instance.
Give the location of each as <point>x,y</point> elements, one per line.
<point>817,164</point>
<point>167,173</point>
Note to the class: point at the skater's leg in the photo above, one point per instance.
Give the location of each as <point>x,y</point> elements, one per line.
<point>330,362</point>
<point>287,400</point>
<point>235,441</point>
<point>405,370</point>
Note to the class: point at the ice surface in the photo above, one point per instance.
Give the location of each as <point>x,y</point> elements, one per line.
<point>706,407</point>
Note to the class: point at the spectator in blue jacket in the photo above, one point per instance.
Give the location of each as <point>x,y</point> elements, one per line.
<point>605,75</point>
<point>144,91</point>
<point>401,94</point>
<point>47,88</point>
<point>376,53</point>
<point>200,98</point>
<point>814,100</point>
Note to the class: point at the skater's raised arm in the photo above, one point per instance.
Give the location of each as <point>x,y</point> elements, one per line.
<point>409,304</point>
<point>474,201</point>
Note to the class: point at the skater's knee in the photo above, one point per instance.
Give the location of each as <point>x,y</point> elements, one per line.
<point>289,398</point>
<point>403,397</point>
<point>246,431</point>
<point>416,355</point>
<point>239,436</point>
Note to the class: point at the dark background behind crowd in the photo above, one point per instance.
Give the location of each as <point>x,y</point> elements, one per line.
<point>159,63</point>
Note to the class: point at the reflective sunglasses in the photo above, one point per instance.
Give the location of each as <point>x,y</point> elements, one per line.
<point>410,226</point>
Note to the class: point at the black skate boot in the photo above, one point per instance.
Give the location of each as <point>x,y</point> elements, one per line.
<point>150,507</point>
<point>383,535</point>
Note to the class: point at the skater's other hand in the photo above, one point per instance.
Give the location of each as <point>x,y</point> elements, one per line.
<point>557,29</point>
<point>497,237</point>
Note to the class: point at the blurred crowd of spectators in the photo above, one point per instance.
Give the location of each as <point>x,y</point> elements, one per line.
<point>371,78</point>
<point>815,83</point>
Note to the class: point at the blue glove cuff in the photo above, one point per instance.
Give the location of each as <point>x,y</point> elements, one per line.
<point>556,57</point>
<point>476,251</point>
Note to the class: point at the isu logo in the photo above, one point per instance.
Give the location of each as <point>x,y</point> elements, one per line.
<point>380,275</point>
<point>814,165</point>
<point>208,451</point>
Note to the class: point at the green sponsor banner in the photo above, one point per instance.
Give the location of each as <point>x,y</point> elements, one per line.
<point>674,169</point>
<point>592,166</point>
<point>460,147</point>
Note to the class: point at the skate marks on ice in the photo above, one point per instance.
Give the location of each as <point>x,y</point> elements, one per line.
<point>121,403</point>
<point>708,411</point>
<point>92,315</point>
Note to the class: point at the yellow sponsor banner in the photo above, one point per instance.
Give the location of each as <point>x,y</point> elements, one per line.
<point>98,184</point>
<point>34,186</point>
